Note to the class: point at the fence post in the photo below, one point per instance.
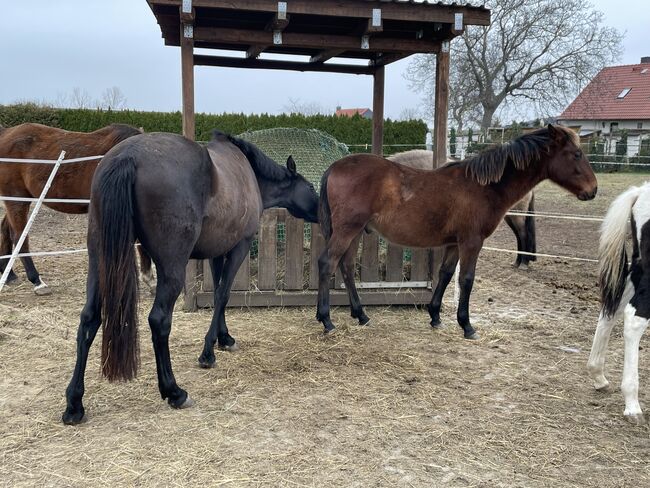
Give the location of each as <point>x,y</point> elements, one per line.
<point>32,217</point>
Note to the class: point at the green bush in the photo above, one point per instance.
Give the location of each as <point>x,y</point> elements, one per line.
<point>349,130</point>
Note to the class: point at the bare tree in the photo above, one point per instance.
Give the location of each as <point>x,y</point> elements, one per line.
<point>536,53</point>
<point>113,99</point>
<point>297,106</point>
<point>410,113</point>
<point>79,98</point>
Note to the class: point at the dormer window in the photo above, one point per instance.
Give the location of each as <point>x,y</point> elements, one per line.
<point>644,71</point>
<point>624,93</point>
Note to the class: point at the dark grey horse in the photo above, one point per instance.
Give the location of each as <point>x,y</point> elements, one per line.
<point>182,201</point>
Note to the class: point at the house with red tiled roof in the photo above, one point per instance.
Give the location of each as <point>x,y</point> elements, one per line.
<point>366,113</point>
<point>617,99</point>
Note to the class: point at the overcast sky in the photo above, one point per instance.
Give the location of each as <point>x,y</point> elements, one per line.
<point>49,47</point>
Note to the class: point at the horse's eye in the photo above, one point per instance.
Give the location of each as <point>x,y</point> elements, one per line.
<point>578,154</point>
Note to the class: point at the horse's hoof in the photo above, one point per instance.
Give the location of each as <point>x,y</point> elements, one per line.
<point>364,320</point>
<point>13,280</point>
<point>329,331</point>
<point>602,387</point>
<point>523,267</point>
<point>206,362</point>
<point>232,348</point>
<point>637,419</point>
<point>73,418</point>
<point>42,290</point>
<point>436,324</point>
<point>473,337</point>
<point>188,403</point>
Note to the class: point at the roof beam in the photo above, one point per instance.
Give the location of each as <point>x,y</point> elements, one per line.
<point>277,24</point>
<point>230,62</point>
<point>325,55</point>
<point>414,12</point>
<point>311,41</point>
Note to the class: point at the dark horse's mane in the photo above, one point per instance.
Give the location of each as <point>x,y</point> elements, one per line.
<point>489,166</point>
<point>262,165</point>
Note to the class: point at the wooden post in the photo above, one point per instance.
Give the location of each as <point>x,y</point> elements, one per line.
<point>187,76</point>
<point>442,104</point>
<point>440,135</point>
<point>378,111</point>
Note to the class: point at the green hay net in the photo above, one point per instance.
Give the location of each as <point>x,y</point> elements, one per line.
<point>314,151</point>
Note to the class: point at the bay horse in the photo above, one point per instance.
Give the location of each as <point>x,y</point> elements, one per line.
<point>36,141</point>
<point>456,206</point>
<point>624,291</point>
<point>522,227</point>
<point>182,201</point>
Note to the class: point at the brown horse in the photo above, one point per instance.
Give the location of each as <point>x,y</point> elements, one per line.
<point>457,206</point>
<point>522,227</point>
<point>36,141</point>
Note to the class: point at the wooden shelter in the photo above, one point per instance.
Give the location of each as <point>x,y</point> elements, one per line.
<point>363,35</point>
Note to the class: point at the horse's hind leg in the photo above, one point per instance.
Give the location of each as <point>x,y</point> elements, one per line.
<point>447,269</point>
<point>170,283</point>
<point>88,326</point>
<point>596,363</point>
<point>336,247</point>
<point>518,226</point>
<point>5,248</point>
<point>635,326</point>
<point>346,265</point>
<point>468,252</point>
<point>146,270</point>
<point>18,215</point>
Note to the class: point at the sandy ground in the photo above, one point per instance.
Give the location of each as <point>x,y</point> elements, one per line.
<point>393,404</point>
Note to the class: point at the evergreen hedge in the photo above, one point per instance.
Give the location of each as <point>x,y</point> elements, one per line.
<point>349,130</point>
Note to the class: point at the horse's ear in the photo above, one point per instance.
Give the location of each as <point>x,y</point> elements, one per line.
<point>553,133</point>
<point>291,164</point>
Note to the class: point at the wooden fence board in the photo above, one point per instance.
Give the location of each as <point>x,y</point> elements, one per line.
<point>370,258</point>
<point>267,252</point>
<point>419,265</point>
<point>295,238</point>
<point>394,263</point>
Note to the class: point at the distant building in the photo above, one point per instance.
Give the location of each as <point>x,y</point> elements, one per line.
<point>617,99</point>
<point>366,113</point>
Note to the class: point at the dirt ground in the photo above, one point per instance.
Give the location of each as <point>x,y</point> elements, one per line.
<point>393,404</point>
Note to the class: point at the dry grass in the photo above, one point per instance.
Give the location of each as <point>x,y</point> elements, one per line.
<point>391,404</point>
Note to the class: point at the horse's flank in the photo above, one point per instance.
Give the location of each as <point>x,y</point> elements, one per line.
<point>36,141</point>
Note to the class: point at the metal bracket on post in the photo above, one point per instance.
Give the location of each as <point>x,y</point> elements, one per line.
<point>376,17</point>
<point>445,46</point>
<point>277,37</point>
<point>458,22</point>
<point>187,12</point>
<point>282,10</point>
<point>365,42</point>
<point>188,31</point>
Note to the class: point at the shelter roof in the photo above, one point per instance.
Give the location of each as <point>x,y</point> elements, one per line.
<point>378,31</point>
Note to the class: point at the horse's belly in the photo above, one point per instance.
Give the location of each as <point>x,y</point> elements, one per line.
<point>222,231</point>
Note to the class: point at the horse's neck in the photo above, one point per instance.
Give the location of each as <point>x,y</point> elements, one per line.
<point>271,197</point>
<point>515,184</point>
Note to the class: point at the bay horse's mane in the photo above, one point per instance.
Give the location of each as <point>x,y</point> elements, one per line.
<point>120,131</point>
<point>262,165</point>
<point>488,166</point>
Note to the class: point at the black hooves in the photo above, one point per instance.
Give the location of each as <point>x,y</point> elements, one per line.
<point>207,361</point>
<point>363,319</point>
<point>73,417</point>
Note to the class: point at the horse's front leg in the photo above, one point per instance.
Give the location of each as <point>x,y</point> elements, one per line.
<point>224,271</point>
<point>635,326</point>
<point>446,272</point>
<point>468,251</point>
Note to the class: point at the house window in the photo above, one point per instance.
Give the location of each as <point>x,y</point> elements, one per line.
<point>624,93</point>
<point>639,125</point>
<point>613,127</point>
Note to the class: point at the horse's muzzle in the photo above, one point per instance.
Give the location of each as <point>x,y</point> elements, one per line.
<point>588,195</point>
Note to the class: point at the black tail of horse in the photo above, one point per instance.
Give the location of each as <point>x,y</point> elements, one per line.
<point>118,276</point>
<point>324,214</point>
<point>531,238</point>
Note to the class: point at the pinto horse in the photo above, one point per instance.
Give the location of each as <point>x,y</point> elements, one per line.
<point>182,200</point>
<point>456,206</point>
<point>522,227</point>
<point>624,291</point>
<point>36,141</point>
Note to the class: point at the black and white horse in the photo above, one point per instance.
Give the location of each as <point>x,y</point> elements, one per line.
<point>624,291</point>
